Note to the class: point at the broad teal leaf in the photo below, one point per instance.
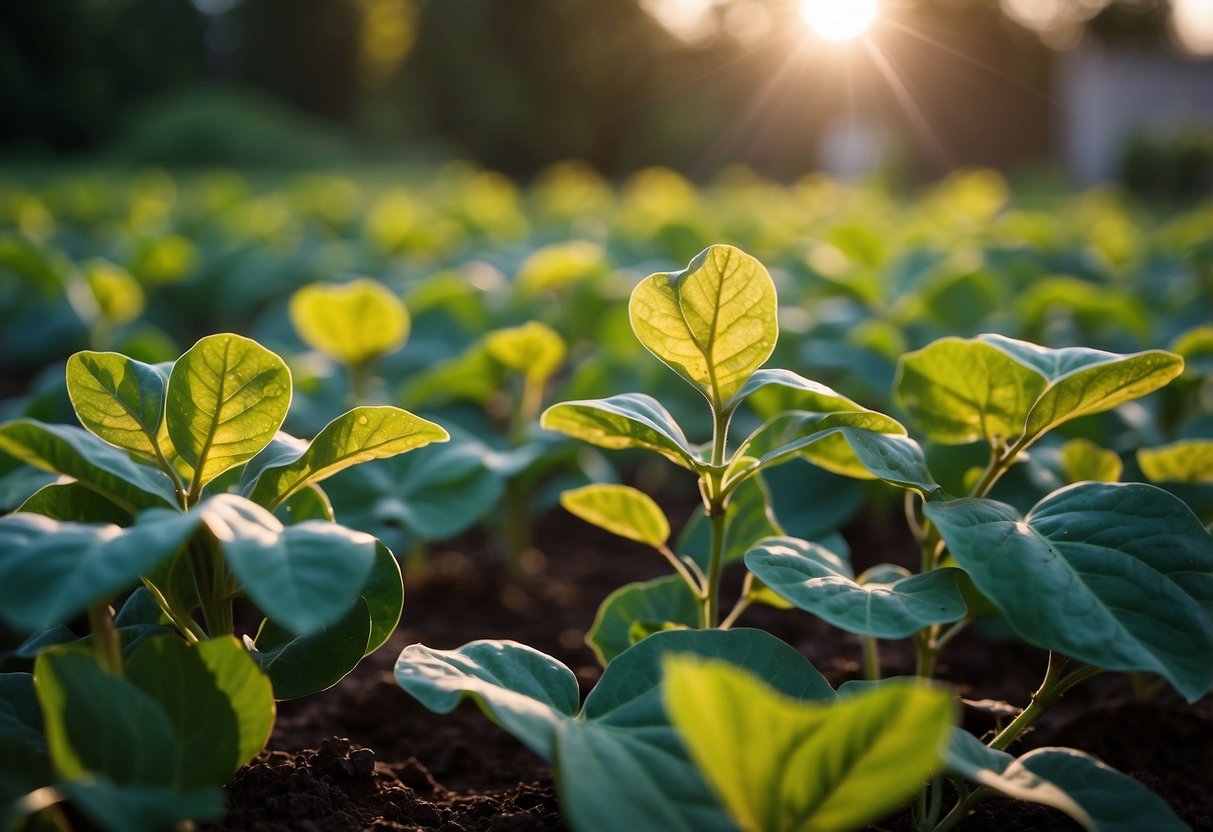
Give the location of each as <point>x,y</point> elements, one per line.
<point>959,391</point>
<point>62,449</point>
<point>362,434</point>
<point>227,397</point>
<point>117,398</point>
<point>217,700</point>
<point>782,765</point>
<point>309,503</point>
<point>714,323</point>
<point>651,603</point>
<point>51,570</point>
<point>621,510</point>
<point>383,593</point>
<point>76,502</point>
<point>24,762</point>
<point>885,602</point>
<point>303,576</point>
<point>303,665</point>
<point>619,762</point>
<point>138,808</point>
<point>630,420</point>
<point>1118,576</point>
<point>1094,794</point>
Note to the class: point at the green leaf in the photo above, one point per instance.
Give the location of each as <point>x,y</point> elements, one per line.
<point>621,510</point>
<point>433,493</point>
<point>886,602</point>
<point>1189,460</point>
<point>217,700</point>
<point>117,398</point>
<point>63,449</point>
<point>1082,460</point>
<point>101,724</point>
<point>619,763</point>
<point>124,808</point>
<point>630,420</point>
<point>309,503</point>
<point>657,602</point>
<point>75,502</point>
<point>714,323</point>
<point>1094,794</point>
<point>303,576</point>
<point>362,434</point>
<point>785,390</point>
<point>24,764</point>
<point>353,322</point>
<point>959,391</point>
<point>383,593</point>
<point>52,570</point>
<point>227,397</point>
<point>303,665</point>
<point>780,765</point>
<point>533,349</point>
<point>1118,576</point>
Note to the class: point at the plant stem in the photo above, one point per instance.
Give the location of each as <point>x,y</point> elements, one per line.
<point>184,624</point>
<point>962,809</point>
<point>711,607</point>
<point>743,603</point>
<point>696,587</point>
<point>107,644</point>
<point>1050,690</point>
<point>360,382</point>
<point>926,652</point>
<point>871,659</point>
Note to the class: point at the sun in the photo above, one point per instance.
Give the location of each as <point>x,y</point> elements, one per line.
<point>839,20</point>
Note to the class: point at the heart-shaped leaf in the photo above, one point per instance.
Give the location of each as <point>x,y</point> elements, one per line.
<point>1094,794</point>
<point>303,665</point>
<point>714,323</point>
<point>117,398</point>
<point>620,509</point>
<point>1118,576</point>
<point>353,322</point>
<point>654,604</point>
<point>303,576</point>
<point>362,434</point>
<point>52,570</point>
<point>1189,460</point>
<point>63,449</point>
<point>960,391</point>
<point>782,765</point>
<point>886,602</point>
<point>218,702</point>
<point>533,349</point>
<point>227,397</point>
<point>619,763</point>
<point>630,420</point>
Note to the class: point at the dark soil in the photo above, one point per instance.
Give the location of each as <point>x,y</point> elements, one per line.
<point>365,755</point>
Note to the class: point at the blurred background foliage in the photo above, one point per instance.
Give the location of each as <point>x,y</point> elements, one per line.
<point>518,84</point>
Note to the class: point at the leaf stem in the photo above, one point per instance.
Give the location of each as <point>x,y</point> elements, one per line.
<point>743,603</point>
<point>107,644</point>
<point>696,586</point>
<point>185,625</point>
<point>962,809</point>
<point>1051,689</point>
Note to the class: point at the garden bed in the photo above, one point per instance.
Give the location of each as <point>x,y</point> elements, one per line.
<point>364,755</point>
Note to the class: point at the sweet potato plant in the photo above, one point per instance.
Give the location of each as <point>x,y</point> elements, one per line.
<point>180,497</point>
<point>696,724</point>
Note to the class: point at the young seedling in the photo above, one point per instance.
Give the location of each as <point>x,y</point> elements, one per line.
<point>180,486</point>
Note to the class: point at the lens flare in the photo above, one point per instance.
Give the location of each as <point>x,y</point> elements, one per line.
<point>839,20</point>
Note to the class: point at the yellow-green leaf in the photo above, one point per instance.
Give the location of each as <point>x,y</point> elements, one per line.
<point>782,765</point>
<point>533,349</point>
<point>227,397</point>
<point>959,391</point>
<point>621,510</point>
<point>714,323</point>
<point>118,296</point>
<point>630,420</point>
<point>1082,461</point>
<point>118,399</point>
<point>1189,460</point>
<point>362,434</point>
<point>353,322</point>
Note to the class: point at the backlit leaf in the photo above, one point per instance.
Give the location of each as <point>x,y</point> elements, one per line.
<point>353,322</point>
<point>227,397</point>
<point>782,765</point>
<point>533,349</point>
<point>620,509</point>
<point>1189,460</point>
<point>117,398</point>
<point>630,420</point>
<point>714,323</point>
